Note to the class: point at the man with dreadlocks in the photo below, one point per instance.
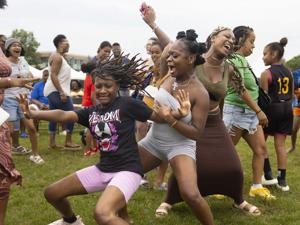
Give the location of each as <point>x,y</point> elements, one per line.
<point>112,123</point>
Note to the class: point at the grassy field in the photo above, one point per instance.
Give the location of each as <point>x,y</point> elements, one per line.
<point>27,205</point>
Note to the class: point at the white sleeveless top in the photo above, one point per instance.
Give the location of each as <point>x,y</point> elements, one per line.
<point>162,131</point>
<point>64,78</point>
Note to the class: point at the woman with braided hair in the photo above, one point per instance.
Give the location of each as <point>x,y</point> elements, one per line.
<point>112,123</point>
<point>218,166</point>
<point>245,118</point>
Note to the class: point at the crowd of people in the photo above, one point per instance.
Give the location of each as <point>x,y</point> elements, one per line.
<point>205,100</point>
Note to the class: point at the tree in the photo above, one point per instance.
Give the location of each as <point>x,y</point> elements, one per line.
<point>294,63</point>
<point>30,45</point>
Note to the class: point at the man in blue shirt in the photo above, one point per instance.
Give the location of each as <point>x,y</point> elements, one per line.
<point>37,94</point>
<point>38,100</point>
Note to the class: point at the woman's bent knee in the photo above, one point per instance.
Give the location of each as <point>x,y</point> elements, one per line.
<point>103,216</point>
<point>50,194</point>
<point>189,195</point>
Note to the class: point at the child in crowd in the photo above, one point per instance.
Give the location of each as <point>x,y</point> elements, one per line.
<point>277,81</point>
<point>112,123</point>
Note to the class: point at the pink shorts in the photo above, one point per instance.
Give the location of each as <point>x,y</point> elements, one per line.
<point>94,180</point>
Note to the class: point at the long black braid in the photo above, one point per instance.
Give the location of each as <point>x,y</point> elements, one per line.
<point>131,73</point>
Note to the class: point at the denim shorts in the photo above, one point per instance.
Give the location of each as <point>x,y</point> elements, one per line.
<point>12,107</point>
<point>239,117</point>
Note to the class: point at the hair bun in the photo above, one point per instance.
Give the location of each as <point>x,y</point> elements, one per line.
<point>283,41</point>
<point>180,34</point>
<point>202,48</point>
<point>191,35</point>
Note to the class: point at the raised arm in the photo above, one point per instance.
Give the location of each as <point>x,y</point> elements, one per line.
<point>148,15</point>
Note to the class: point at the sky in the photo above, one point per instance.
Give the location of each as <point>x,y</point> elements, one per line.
<point>87,23</point>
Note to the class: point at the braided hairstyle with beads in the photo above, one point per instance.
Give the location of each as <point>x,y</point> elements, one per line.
<point>189,38</point>
<point>130,74</point>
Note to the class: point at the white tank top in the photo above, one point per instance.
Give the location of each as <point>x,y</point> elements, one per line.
<point>64,78</point>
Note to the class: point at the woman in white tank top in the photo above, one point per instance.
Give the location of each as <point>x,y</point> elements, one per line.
<point>57,89</point>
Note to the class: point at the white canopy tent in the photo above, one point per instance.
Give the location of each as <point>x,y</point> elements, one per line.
<point>35,72</point>
<point>75,75</point>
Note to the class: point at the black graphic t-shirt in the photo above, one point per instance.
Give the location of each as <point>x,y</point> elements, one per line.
<point>114,129</point>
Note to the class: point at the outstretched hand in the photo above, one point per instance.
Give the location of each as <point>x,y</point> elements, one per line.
<point>24,82</point>
<point>183,98</point>
<point>23,101</point>
<point>148,14</point>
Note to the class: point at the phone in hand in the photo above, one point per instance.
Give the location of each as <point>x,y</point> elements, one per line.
<point>143,8</point>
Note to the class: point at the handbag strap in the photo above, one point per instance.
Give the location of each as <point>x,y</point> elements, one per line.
<point>256,80</point>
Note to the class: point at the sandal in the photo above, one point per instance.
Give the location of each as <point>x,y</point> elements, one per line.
<point>249,209</point>
<point>162,187</point>
<point>90,151</point>
<point>20,150</point>
<point>37,159</point>
<point>55,147</point>
<point>163,210</point>
<point>72,147</point>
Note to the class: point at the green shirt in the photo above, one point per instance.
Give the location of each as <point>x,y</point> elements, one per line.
<point>232,97</point>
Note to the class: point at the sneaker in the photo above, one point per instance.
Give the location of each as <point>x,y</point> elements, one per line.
<point>261,192</point>
<point>20,150</point>
<point>144,183</point>
<point>268,182</point>
<point>162,187</point>
<point>282,185</point>
<point>37,159</point>
<point>63,133</point>
<point>23,135</point>
<point>62,222</point>
<point>218,196</point>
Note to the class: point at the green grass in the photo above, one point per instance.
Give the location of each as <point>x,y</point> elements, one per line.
<point>27,205</point>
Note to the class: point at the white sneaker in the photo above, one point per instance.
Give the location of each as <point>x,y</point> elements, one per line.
<point>282,185</point>
<point>266,182</point>
<point>144,183</point>
<point>62,222</point>
<point>37,159</point>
